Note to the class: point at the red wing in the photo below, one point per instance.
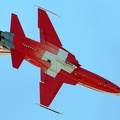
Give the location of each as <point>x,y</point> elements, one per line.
<point>48,88</point>
<point>47,31</point>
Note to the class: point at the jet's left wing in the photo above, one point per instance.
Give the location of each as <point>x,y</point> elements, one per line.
<point>49,87</point>
<point>4,51</point>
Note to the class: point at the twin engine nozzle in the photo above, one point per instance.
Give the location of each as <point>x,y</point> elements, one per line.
<point>6,39</point>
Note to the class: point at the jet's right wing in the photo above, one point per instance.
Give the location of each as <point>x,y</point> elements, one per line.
<point>47,31</point>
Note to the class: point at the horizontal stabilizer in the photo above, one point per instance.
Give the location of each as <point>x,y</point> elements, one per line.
<point>17,58</point>
<point>16,27</point>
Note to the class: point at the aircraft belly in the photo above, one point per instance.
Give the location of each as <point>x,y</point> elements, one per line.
<point>58,63</point>
<point>91,80</point>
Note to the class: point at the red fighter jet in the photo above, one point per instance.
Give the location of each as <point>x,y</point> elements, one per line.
<point>57,65</point>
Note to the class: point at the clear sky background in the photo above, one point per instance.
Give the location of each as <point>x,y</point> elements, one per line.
<point>90,29</point>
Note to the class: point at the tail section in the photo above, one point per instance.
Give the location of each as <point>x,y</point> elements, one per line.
<point>17,58</point>
<point>16,29</point>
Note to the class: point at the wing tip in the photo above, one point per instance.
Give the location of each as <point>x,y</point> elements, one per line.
<point>43,106</point>
<point>52,13</point>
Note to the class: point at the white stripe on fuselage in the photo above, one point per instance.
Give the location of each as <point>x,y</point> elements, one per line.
<point>58,62</point>
<point>118,94</point>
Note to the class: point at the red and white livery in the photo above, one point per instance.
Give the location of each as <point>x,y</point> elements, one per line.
<point>57,65</point>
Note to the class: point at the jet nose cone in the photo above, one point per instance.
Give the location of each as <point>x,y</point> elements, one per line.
<point>115,89</point>
<point>118,91</point>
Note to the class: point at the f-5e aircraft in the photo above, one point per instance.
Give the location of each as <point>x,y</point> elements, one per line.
<point>57,65</point>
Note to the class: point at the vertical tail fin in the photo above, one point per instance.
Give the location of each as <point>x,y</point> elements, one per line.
<point>16,28</point>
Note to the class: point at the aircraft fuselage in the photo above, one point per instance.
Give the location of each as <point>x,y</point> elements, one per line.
<point>57,65</point>
<point>53,60</point>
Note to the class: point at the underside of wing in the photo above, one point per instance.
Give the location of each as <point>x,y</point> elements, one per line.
<point>4,51</point>
<point>48,88</point>
<point>47,31</point>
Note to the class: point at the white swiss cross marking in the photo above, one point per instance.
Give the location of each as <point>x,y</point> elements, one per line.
<point>58,62</point>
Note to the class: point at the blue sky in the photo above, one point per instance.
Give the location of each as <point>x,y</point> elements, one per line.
<point>89,29</point>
